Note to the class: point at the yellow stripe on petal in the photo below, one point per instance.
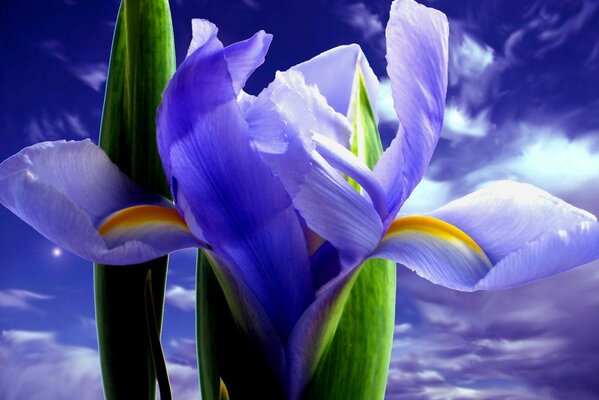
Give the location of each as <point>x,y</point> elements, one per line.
<point>137,216</point>
<point>434,227</point>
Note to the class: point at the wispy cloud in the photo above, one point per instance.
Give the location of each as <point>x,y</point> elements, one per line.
<point>54,48</point>
<point>458,124</point>
<point>92,74</point>
<point>53,127</point>
<point>20,299</point>
<point>474,71</point>
<point>548,29</point>
<point>253,4</point>
<point>469,58</point>
<point>365,21</point>
<point>181,298</point>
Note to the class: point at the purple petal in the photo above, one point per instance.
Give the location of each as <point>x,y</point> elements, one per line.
<point>314,332</point>
<point>66,190</point>
<point>333,72</point>
<point>242,57</point>
<point>417,66</point>
<point>233,197</point>
<point>248,311</point>
<point>330,206</point>
<point>435,250</point>
<point>350,165</point>
<point>202,31</point>
<point>527,233</point>
<point>503,236</point>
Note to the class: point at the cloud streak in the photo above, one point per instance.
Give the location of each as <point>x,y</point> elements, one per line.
<point>20,299</point>
<point>54,127</point>
<point>92,74</point>
<point>359,17</point>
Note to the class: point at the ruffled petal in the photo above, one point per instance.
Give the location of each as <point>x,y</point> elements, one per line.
<point>241,208</point>
<point>242,57</point>
<point>330,206</point>
<point>417,39</point>
<point>74,195</point>
<point>503,236</point>
<point>334,72</point>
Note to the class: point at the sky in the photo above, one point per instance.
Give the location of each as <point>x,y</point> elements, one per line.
<point>523,104</point>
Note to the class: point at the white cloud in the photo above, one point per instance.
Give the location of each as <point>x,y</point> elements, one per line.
<point>20,299</point>
<point>547,158</point>
<point>469,58</point>
<point>361,18</point>
<point>542,155</point>
<point>36,366</point>
<point>555,162</point>
<point>457,124</point>
<point>184,381</point>
<point>92,74</point>
<point>473,70</point>
<point>385,110</point>
<point>181,298</point>
<point>402,328</point>
<point>21,337</point>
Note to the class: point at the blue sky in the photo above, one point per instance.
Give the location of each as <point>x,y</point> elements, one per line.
<point>523,104</point>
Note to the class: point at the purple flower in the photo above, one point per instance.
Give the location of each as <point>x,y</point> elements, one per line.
<point>260,184</point>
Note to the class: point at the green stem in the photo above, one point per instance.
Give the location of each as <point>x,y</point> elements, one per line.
<point>123,337</point>
<point>229,362</point>
<point>158,358</point>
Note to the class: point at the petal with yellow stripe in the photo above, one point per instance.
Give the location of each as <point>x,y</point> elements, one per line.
<point>159,226</point>
<point>435,250</point>
<point>66,190</point>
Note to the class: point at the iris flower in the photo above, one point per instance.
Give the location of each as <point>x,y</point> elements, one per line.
<point>262,184</point>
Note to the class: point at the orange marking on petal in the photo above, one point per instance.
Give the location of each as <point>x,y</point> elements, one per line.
<point>432,226</point>
<point>132,217</point>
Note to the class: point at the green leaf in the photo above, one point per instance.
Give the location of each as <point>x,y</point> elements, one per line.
<point>141,63</point>
<point>365,140</point>
<point>355,364</point>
